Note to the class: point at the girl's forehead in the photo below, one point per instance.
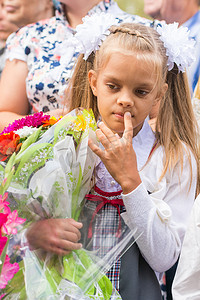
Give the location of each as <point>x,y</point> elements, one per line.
<point>129,59</point>
<point>128,67</point>
<point>148,56</point>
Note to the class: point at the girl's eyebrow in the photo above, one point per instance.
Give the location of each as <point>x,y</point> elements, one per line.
<point>111,77</point>
<point>118,80</point>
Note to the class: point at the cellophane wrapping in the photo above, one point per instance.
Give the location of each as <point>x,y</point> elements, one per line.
<point>49,178</point>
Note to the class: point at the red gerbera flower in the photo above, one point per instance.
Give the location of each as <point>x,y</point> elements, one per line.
<point>9,143</point>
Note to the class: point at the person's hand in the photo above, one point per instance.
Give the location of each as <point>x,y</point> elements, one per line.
<point>58,236</point>
<point>118,155</point>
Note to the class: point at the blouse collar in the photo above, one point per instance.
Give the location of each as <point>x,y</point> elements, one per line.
<point>142,143</point>
<point>100,7</point>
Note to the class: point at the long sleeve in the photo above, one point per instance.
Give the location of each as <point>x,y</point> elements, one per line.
<point>186,284</point>
<point>160,210</point>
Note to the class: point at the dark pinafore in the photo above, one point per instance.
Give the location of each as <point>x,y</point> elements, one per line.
<point>130,274</point>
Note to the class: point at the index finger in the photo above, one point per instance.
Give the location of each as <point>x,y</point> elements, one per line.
<point>128,127</point>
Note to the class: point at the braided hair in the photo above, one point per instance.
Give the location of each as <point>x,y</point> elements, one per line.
<point>176,123</point>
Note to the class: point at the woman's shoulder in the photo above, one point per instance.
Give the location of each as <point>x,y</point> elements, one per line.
<point>35,31</point>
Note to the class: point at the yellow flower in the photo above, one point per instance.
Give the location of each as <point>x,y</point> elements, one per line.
<point>80,124</point>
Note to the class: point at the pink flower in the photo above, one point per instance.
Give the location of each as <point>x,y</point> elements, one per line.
<point>4,204</point>
<point>34,120</point>
<point>3,241</point>
<point>3,219</point>
<point>8,221</point>
<point>8,271</point>
<point>12,221</point>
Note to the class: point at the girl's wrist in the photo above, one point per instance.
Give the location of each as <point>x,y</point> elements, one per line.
<point>131,184</point>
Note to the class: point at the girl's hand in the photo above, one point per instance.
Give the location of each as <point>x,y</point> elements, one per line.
<point>118,155</point>
<point>59,236</point>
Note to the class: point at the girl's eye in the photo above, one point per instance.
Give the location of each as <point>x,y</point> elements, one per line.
<point>141,92</point>
<point>112,86</point>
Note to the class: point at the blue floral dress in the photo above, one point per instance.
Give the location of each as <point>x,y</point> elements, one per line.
<point>42,46</point>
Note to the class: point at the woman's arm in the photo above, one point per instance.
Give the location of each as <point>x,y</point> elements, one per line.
<point>13,99</point>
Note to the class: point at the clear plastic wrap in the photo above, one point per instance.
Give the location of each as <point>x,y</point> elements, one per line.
<point>49,178</point>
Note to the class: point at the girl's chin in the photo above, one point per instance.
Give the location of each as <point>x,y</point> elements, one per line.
<point>119,132</point>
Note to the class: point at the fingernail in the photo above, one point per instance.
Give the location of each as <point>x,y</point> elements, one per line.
<point>127,113</point>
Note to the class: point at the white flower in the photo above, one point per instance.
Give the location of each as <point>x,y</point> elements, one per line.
<point>179,48</point>
<point>25,131</point>
<point>93,31</point>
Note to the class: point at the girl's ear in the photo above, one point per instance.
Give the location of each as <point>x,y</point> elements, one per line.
<point>92,77</point>
<point>162,93</point>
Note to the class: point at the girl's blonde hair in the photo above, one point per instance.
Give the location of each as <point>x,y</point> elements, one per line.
<point>176,124</point>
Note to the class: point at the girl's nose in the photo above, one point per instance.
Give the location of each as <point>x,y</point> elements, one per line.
<point>126,99</point>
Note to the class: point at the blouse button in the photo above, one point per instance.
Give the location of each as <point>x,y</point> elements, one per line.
<point>112,182</point>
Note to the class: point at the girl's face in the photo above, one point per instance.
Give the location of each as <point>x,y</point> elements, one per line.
<point>23,12</point>
<point>125,83</point>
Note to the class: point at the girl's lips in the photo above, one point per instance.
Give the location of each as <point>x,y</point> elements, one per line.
<point>10,8</point>
<point>119,115</point>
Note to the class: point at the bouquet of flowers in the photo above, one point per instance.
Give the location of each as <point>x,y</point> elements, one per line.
<point>49,173</point>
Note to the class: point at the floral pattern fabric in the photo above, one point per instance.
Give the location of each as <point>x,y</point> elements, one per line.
<point>42,46</point>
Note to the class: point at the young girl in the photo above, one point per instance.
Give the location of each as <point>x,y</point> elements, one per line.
<point>156,175</point>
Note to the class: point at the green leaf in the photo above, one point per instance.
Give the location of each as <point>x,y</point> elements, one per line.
<point>106,287</point>
<point>22,159</point>
<point>74,271</point>
<point>60,125</point>
<point>1,168</point>
<point>10,164</point>
<point>4,186</point>
<point>75,195</point>
<point>30,140</point>
<point>16,285</point>
<point>53,278</point>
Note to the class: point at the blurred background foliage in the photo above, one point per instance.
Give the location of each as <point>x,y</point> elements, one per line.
<point>135,7</point>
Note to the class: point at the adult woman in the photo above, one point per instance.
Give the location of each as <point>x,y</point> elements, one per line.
<point>18,13</point>
<point>42,61</point>
<point>23,12</point>
<point>6,28</point>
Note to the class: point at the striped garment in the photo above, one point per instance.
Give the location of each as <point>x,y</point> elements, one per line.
<point>108,228</point>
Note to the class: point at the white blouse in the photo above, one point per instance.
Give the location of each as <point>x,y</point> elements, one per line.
<point>158,209</point>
